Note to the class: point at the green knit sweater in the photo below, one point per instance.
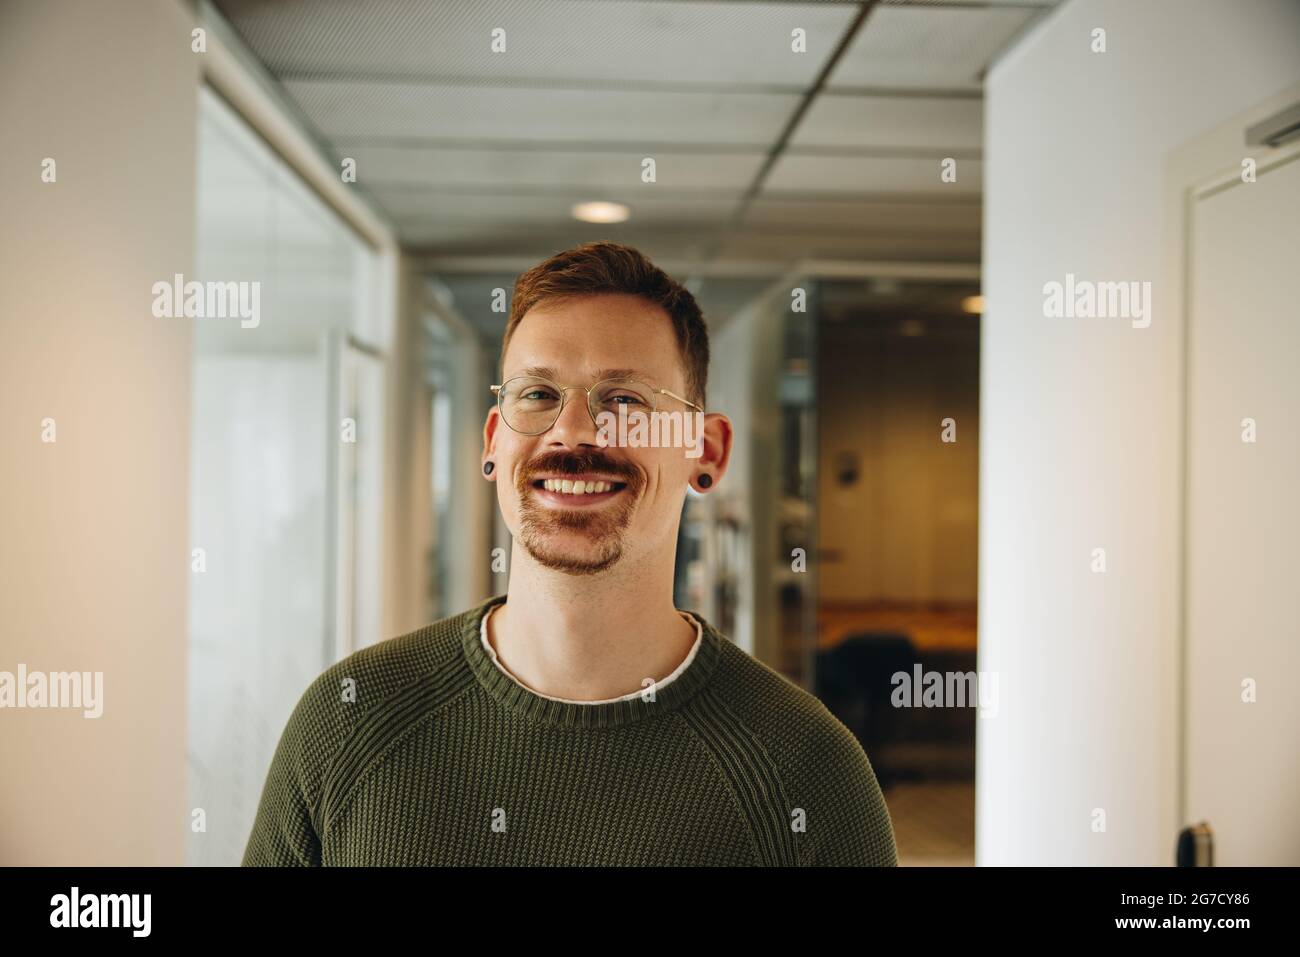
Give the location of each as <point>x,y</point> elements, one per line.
<point>421,751</point>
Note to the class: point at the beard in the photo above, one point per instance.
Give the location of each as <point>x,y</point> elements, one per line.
<point>580,541</point>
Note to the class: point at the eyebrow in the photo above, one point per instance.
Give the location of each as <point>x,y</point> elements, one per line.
<point>546,372</point>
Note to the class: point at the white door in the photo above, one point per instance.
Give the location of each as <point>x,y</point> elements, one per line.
<point>1243,519</point>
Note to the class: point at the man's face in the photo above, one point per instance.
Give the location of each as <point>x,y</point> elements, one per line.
<point>578,341</point>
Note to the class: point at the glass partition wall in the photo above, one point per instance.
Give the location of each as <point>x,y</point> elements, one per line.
<point>747,549</point>
<point>286,455</point>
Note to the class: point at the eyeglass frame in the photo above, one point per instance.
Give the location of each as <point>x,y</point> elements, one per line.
<point>564,397</point>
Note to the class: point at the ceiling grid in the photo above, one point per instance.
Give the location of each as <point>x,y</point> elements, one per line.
<point>762,155</point>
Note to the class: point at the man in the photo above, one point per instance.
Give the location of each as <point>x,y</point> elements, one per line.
<point>579,719</point>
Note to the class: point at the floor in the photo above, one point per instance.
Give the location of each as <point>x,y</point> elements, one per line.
<point>929,774</point>
<point>934,823</point>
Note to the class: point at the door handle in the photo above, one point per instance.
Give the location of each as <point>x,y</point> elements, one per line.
<point>1196,846</point>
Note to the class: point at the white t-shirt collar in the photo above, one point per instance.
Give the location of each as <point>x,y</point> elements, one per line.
<point>686,662</point>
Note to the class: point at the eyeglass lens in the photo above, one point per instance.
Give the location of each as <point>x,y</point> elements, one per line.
<point>532,405</point>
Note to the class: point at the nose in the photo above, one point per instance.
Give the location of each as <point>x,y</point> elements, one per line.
<point>575,425</point>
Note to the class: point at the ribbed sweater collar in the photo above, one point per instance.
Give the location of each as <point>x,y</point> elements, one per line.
<point>513,696</point>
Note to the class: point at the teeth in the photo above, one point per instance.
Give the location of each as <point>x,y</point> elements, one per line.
<point>570,487</point>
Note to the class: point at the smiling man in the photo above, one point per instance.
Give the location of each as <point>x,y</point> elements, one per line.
<point>580,718</point>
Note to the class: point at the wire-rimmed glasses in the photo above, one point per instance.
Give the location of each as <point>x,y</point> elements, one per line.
<point>532,404</point>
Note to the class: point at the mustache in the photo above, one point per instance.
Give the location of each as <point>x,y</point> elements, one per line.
<point>576,463</point>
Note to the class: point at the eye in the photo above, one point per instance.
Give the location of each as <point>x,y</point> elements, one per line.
<point>626,399</point>
<point>534,393</point>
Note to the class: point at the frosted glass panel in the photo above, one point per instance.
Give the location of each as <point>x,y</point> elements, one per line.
<point>267,501</point>
<point>258,628</point>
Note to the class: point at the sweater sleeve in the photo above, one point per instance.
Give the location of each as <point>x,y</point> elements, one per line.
<point>284,834</point>
<point>848,822</point>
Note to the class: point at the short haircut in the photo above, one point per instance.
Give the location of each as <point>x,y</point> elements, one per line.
<point>605,267</point>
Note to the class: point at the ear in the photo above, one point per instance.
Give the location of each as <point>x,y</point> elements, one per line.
<point>490,426</point>
<point>717,441</point>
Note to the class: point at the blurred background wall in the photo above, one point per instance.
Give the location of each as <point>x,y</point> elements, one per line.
<point>94,557</point>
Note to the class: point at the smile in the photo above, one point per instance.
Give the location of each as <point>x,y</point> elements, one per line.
<point>577,492</point>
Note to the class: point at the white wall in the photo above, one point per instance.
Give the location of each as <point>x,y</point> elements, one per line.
<point>1081,418</point>
<point>745,364</point>
<point>93,561</point>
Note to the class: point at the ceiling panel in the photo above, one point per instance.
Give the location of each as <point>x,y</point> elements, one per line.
<point>926,123</point>
<point>830,175</point>
<point>493,240</point>
<point>786,249</point>
<point>670,248</point>
<point>928,47</point>
<point>611,42</point>
<point>342,109</point>
<point>837,215</point>
<point>411,207</point>
<point>576,175</point>
<point>1043,4</point>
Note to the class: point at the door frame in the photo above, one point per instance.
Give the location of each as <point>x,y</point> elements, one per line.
<point>1204,165</point>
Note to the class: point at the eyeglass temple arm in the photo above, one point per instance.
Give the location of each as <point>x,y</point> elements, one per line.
<point>680,399</point>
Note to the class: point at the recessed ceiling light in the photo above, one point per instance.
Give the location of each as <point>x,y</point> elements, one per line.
<point>973,304</point>
<point>601,212</point>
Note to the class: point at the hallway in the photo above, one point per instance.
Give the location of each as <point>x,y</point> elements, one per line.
<point>997,315</point>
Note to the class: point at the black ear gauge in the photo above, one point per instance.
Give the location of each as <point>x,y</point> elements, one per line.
<point>706,480</point>
<point>487,467</point>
